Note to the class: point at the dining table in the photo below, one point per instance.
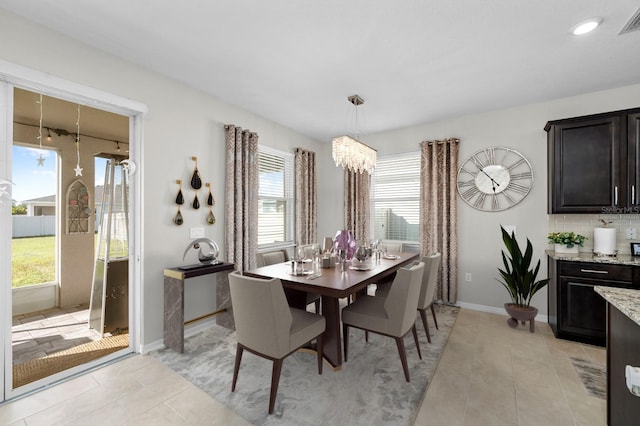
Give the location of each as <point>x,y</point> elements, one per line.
<point>332,284</point>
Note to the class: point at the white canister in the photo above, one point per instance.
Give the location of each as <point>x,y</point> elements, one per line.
<point>604,241</point>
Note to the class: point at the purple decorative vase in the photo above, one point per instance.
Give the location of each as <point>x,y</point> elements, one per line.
<point>344,241</point>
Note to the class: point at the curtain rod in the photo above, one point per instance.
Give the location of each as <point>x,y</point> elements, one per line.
<point>441,142</point>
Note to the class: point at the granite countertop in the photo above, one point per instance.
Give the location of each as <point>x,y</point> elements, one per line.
<point>625,299</point>
<point>621,259</point>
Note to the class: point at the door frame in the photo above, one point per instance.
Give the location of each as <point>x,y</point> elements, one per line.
<point>12,75</point>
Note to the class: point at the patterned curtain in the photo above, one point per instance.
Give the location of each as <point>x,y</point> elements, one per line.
<point>306,197</point>
<point>438,211</point>
<point>357,204</point>
<point>241,197</point>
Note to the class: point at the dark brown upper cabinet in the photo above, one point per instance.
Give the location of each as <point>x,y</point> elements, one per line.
<point>594,163</point>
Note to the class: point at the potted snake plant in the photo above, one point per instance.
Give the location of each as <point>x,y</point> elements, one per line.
<point>519,278</point>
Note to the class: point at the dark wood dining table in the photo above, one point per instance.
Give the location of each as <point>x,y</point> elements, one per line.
<point>332,285</point>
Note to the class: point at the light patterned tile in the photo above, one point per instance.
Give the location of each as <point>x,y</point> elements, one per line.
<point>595,353</point>
<point>445,400</point>
<point>28,406</point>
<point>536,410</point>
<point>494,394</point>
<point>489,374</point>
<point>474,416</point>
<point>113,415</point>
<point>149,396</point>
<point>196,407</point>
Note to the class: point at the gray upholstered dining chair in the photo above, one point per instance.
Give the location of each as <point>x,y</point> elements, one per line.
<point>393,316</point>
<point>266,326</point>
<point>427,291</point>
<point>279,256</point>
<point>392,246</point>
<point>271,257</point>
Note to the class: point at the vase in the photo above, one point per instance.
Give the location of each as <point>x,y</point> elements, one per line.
<point>522,314</point>
<point>344,241</point>
<point>562,248</point>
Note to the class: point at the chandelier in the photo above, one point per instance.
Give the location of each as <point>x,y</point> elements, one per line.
<point>350,153</point>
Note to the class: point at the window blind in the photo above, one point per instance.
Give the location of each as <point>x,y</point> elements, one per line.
<point>275,197</point>
<point>395,197</point>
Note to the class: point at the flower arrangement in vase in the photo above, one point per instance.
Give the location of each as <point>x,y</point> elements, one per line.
<point>566,242</point>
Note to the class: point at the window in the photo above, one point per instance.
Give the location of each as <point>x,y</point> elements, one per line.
<point>275,198</point>
<point>395,197</point>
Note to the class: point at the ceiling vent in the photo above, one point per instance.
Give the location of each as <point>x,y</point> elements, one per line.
<point>632,25</point>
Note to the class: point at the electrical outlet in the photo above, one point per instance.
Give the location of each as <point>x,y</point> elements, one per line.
<point>196,233</point>
<point>467,277</point>
<point>630,233</point>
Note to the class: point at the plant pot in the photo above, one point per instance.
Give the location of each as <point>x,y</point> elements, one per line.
<point>562,248</point>
<point>522,314</point>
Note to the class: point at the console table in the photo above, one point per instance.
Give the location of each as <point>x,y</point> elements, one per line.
<point>174,279</point>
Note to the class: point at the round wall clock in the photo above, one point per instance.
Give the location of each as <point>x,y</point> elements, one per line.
<point>495,179</point>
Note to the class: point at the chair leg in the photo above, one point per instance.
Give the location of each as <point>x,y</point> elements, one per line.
<point>433,312</point>
<point>236,367</point>
<point>415,338</point>
<point>403,357</point>
<point>318,306</point>
<point>423,315</point>
<point>319,351</point>
<point>275,379</point>
<point>345,339</point>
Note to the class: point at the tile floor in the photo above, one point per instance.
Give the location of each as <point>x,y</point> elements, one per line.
<point>47,332</point>
<point>489,374</point>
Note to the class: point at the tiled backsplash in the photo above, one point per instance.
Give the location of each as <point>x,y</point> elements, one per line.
<point>583,224</point>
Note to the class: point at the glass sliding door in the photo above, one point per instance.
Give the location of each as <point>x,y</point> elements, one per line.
<point>49,141</point>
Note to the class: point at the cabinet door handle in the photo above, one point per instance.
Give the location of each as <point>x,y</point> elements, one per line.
<point>594,271</point>
<point>633,194</point>
<point>615,195</point>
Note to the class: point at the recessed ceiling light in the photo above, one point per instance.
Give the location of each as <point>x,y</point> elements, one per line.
<point>586,26</point>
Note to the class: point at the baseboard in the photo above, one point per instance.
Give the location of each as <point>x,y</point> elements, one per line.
<point>494,310</point>
<point>189,330</point>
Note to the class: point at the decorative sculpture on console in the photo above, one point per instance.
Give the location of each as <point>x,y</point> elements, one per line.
<point>207,251</point>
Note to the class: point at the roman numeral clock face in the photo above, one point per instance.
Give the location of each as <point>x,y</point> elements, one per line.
<point>495,179</point>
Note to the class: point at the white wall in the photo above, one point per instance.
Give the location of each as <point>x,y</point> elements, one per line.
<point>183,122</point>
<point>522,129</point>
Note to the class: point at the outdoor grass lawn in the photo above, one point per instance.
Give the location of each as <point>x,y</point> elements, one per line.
<point>32,260</point>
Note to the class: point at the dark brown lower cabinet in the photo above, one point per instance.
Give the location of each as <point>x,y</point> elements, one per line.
<point>623,348</point>
<point>575,311</point>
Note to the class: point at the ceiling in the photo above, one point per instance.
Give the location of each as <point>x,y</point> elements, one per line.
<point>295,62</point>
<point>59,116</point>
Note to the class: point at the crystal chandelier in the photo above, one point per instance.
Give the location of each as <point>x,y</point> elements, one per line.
<point>349,152</point>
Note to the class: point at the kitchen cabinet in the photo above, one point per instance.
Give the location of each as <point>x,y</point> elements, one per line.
<point>633,152</point>
<point>593,163</point>
<point>575,311</point>
<point>623,349</point>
